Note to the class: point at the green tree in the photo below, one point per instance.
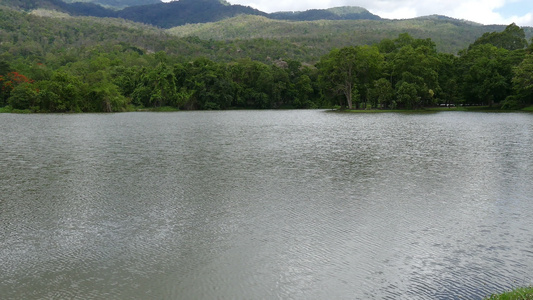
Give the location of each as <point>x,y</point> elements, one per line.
<point>62,93</point>
<point>338,75</point>
<point>156,87</point>
<point>24,96</point>
<point>254,84</point>
<point>418,67</point>
<point>512,38</point>
<point>486,74</point>
<point>382,94</point>
<point>349,70</point>
<point>523,81</point>
<point>4,68</point>
<point>448,80</point>
<point>107,98</point>
<point>212,85</point>
<point>407,95</point>
<point>9,82</point>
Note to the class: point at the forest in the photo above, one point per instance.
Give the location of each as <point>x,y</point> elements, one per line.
<point>110,65</point>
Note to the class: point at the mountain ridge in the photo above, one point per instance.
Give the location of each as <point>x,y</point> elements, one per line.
<point>450,35</point>
<point>176,13</point>
<point>314,38</point>
<point>116,4</point>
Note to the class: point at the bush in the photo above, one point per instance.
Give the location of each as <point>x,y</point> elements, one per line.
<point>512,103</point>
<point>23,96</point>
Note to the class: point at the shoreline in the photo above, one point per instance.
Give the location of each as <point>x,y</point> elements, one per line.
<point>524,293</point>
<point>7,109</point>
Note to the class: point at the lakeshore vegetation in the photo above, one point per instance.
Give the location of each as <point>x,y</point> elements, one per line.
<point>515,294</point>
<point>51,62</point>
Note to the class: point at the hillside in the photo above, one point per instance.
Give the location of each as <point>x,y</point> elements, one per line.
<point>117,4</point>
<point>336,13</point>
<point>74,9</point>
<point>449,34</point>
<point>310,34</point>
<point>256,36</point>
<point>175,13</point>
<point>59,37</point>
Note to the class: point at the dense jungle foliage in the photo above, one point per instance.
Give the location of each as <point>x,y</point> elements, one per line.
<point>66,64</point>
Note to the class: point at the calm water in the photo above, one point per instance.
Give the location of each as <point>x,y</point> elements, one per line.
<point>265,205</point>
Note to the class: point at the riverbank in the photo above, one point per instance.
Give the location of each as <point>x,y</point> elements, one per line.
<point>131,108</point>
<point>438,109</point>
<point>8,109</point>
<point>516,294</point>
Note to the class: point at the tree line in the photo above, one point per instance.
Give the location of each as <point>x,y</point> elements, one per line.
<point>401,73</point>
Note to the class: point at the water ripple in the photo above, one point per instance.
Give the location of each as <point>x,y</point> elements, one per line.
<point>276,204</point>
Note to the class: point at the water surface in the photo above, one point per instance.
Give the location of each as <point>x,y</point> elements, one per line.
<point>265,205</point>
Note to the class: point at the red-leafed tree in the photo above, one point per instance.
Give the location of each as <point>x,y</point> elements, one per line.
<point>9,82</point>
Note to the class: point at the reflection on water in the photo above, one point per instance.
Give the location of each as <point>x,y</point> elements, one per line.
<point>265,204</point>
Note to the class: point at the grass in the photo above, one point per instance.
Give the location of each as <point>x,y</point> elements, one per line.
<point>516,294</point>
<point>9,109</point>
<point>5,109</point>
<point>153,109</point>
<point>164,109</point>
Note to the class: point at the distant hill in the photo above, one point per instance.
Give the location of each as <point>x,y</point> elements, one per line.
<point>450,35</point>
<point>74,9</point>
<point>117,4</point>
<point>338,13</point>
<point>176,13</point>
<point>61,39</point>
<point>312,33</point>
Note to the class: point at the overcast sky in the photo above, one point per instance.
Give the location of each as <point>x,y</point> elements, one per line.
<point>481,11</point>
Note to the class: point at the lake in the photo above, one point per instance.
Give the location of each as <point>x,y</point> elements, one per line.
<point>265,205</point>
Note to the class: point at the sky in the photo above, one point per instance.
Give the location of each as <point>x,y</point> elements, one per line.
<point>481,11</point>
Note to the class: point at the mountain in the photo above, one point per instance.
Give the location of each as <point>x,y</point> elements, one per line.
<point>176,13</point>
<point>337,13</point>
<point>450,35</point>
<point>74,9</point>
<point>117,4</point>
<point>245,28</point>
<point>58,39</point>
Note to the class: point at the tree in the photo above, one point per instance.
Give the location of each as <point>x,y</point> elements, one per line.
<point>413,61</point>
<point>382,94</point>
<point>407,95</point>
<point>523,80</point>
<point>448,79</point>
<point>338,73</point>
<point>349,70</point>
<point>9,82</point>
<point>156,87</point>
<point>107,98</point>
<point>512,38</point>
<point>418,67</point>
<point>253,83</point>
<point>24,96</point>
<point>486,74</point>
<point>62,93</point>
<point>4,68</point>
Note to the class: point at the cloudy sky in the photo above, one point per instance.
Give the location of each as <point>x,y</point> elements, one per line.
<point>481,11</point>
